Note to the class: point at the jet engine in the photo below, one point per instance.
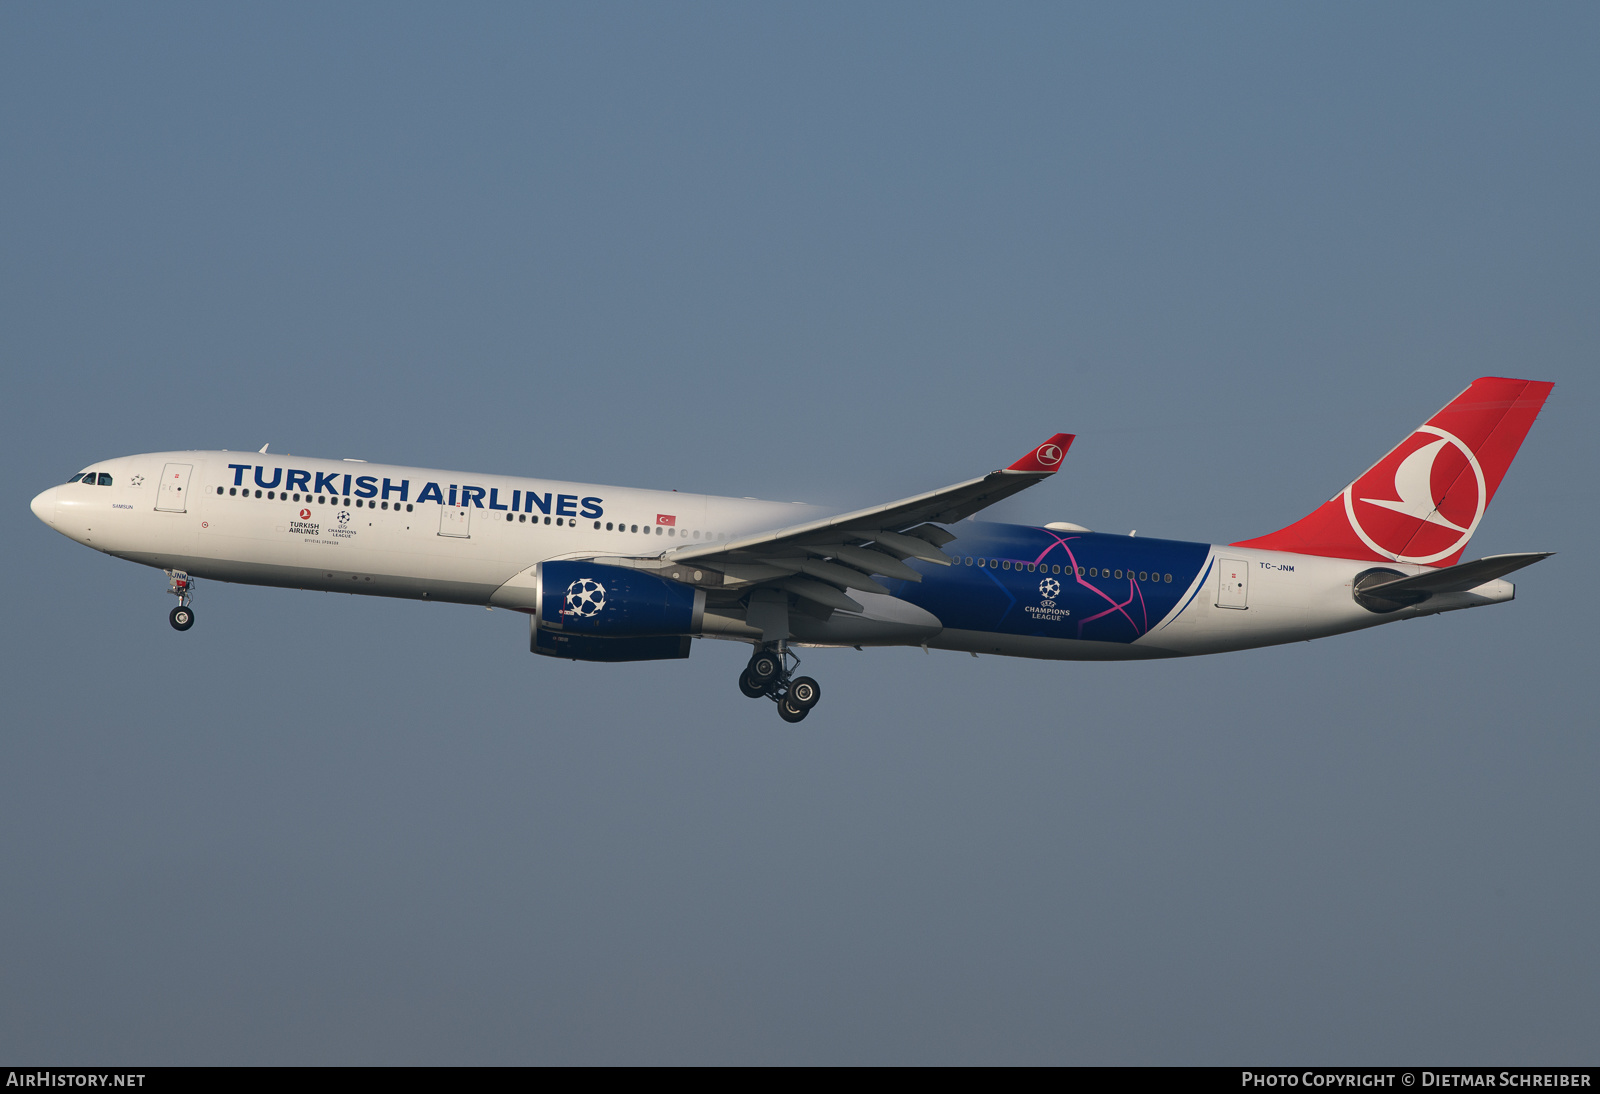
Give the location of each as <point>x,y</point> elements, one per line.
<point>590,612</point>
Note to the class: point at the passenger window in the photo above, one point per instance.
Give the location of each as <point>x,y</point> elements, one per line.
<point>1166,577</point>
<point>1143,576</point>
<point>219,489</point>
<point>408,508</point>
<point>508,518</point>
<point>1093,572</point>
<point>608,526</point>
<point>981,563</point>
<point>1118,574</point>
<point>969,560</point>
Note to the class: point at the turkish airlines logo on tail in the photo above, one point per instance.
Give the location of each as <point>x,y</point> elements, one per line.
<point>1048,454</point>
<point>1422,502</point>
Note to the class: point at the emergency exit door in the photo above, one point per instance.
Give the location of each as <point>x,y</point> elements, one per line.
<point>1233,583</point>
<point>455,521</point>
<point>174,487</point>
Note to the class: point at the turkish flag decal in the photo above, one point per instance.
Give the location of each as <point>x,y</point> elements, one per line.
<point>666,520</point>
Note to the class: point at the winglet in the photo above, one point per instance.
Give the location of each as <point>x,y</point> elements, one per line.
<point>1047,458</point>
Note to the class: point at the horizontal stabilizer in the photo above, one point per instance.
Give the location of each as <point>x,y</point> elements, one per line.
<point>1454,579</point>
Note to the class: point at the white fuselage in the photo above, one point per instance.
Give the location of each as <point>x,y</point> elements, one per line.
<point>384,530</point>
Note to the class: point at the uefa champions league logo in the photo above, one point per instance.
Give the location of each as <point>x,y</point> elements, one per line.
<point>1046,611</point>
<point>344,516</point>
<point>585,598</point>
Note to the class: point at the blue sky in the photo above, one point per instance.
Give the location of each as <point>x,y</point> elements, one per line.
<point>830,253</point>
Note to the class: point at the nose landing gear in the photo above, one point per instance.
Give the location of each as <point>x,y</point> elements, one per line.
<point>181,585</point>
<point>770,674</point>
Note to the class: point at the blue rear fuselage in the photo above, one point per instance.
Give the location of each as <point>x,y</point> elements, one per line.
<point>1037,582</point>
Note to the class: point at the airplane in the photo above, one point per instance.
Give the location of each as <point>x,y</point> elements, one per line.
<point>612,574</point>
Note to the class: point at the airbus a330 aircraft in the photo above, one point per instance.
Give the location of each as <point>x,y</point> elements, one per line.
<point>613,574</point>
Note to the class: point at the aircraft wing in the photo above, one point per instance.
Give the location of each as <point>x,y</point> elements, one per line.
<point>820,559</point>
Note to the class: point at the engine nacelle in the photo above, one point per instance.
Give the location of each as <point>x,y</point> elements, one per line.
<point>590,612</point>
<point>586,647</point>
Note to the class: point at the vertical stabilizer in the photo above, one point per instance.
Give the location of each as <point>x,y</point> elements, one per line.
<point>1422,501</point>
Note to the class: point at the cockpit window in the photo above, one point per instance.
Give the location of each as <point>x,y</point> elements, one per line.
<point>76,477</point>
<point>105,479</point>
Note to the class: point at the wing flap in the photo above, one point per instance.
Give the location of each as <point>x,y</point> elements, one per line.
<point>873,562</point>
<point>843,576</point>
<point>820,592</point>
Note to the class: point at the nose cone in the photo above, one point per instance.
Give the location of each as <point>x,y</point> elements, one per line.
<point>44,506</point>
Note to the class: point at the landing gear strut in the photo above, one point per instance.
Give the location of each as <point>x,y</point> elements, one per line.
<point>181,585</point>
<point>770,673</point>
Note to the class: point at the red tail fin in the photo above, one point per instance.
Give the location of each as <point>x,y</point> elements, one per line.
<point>1422,502</point>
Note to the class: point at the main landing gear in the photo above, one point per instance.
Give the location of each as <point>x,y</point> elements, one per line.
<point>770,674</point>
<point>181,585</point>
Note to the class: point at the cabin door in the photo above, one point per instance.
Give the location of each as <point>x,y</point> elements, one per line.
<point>174,487</point>
<point>1233,583</point>
<point>455,521</point>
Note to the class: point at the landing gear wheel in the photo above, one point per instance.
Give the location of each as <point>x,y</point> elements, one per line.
<point>789,712</point>
<point>182,618</point>
<point>753,691</point>
<point>804,692</point>
<point>765,667</point>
